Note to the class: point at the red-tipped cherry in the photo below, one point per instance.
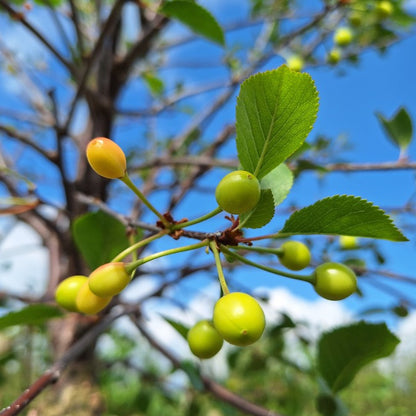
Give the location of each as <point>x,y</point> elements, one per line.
<point>106,158</point>
<point>109,279</point>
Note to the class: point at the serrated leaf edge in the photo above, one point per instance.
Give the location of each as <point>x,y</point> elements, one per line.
<point>357,198</point>
<point>283,68</point>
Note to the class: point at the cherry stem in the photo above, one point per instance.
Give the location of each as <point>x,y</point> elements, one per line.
<point>130,267</point>
<point>137,245</point>
<point>268,250</point>
<point>221,277</point>
<point>126,179</point>
<point>306,278</point>
<point>197,220</point>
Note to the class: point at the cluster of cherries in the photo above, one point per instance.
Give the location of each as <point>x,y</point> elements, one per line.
<point>344,35</point>
<point>237,317</point>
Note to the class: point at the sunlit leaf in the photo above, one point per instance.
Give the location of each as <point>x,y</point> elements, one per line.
<point>343,215</point>
<point>196,17</point>
<point>275,113</point>
<point>262,214</point>
<point>279,181</point>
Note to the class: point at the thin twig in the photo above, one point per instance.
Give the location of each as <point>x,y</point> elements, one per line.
<point>210,385</point>
<point>18,16</point>
<point>26,140</point>
<point>77,25</point>
<point>109,26</point>
<point>53,374</point>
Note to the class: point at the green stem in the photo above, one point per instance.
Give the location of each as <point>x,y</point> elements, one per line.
<point>305,278</point>
<point>137,245</point>
<point>126,179</point>
<point>135,264</point>
<point>259,249</point>
<point>221,276</point>
<point>197,220</point>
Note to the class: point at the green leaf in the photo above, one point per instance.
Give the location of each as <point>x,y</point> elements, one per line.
<point>30,315</point>
<point>198,19</point>
<point>401,18</point>
<point>99,237</point>
<point>193,374</point>
<point>179,327</point>
<point>329,405</point>
<point>52,3</point>
<point>344,351</point>
<point>303,164</point>
<point>49,3</point>
<point>399,128</point>
<point>262,214</point>
<point>343,215</point>
<point>279,181</point>
<point>275,113</point>
<point>154,83</point>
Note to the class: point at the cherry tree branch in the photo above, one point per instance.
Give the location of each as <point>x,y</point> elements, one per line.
<point>53,374</point>
<point>367,167</point>
<point>233,163</point>
<point>210,385</point>
<point>19,16</point>
<point>26,140</point>
<point>108,27</point>
<point>77,25</point>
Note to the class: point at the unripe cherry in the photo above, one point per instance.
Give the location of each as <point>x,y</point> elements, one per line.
<point>238,192</point>
<point>106,158</point>
<point>356,18</point>
<point>67,291</point>
<point>384,9</point>
<point>343,36</point>
<point>239,318</point>
<point>295,255</point>
<point>204,340</point>
<point>348,242</point>
<point>89,303</point>
<point>334,281</point>
<point>109,279</point>
<point>334,56</point>
<point>295,62</point>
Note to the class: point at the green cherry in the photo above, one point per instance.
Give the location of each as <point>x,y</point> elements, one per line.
<point>109,279</point>
<point>67,290</point>
<point>89,303</point>
<point>239,318</point>
<point>356,19</point>
<point>204,340</point>
<point>294,255</point>
<point>348,242</point>
<point>334,281</point>
<point>295,63</point>
<point>384,9</point>
<point>334,56</point>
<point>343,36</point>
<point>238,192</point>
<point>106,158</point>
